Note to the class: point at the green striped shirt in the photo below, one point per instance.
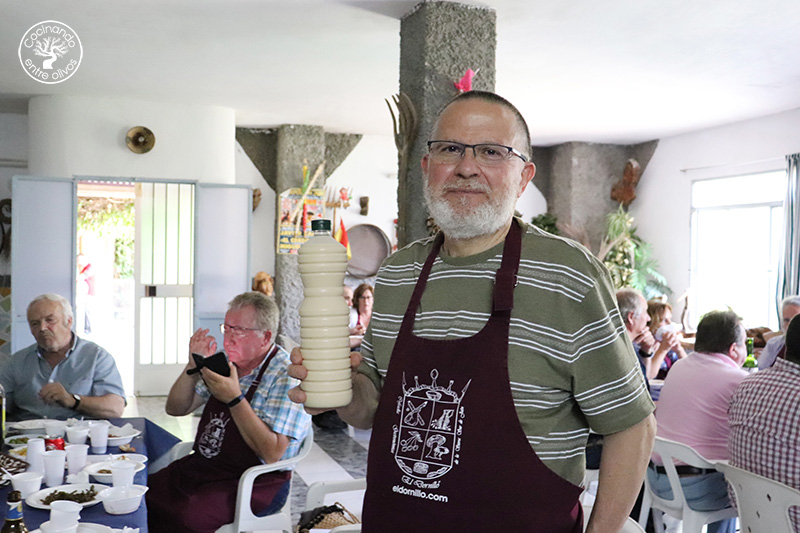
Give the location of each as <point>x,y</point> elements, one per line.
<point>570,364</point>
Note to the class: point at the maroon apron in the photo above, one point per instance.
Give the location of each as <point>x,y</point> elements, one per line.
<point>198,492</point>
<point>448,452</point>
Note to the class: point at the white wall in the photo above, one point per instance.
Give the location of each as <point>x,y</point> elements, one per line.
<point>82,136</point>
<point>370,170</point>
<point>663,204</point>
<point>262,243</point>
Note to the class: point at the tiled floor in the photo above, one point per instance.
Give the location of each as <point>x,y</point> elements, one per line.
<point>337,454</point>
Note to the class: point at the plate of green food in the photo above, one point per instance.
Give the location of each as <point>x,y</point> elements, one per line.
<point>83,493</point>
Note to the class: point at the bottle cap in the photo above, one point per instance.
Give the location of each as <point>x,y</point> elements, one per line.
<point>321,224</point>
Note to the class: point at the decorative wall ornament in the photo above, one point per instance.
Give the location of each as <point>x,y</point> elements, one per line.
<point>405,125</point>
<point>624,191</point>
<point>465,83</point>
<point>140,140</point>
<point>298,206</point>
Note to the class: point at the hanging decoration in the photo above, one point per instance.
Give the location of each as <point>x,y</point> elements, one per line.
<point>299,206</point>
<point>341,236</point>
<point>465,83</point>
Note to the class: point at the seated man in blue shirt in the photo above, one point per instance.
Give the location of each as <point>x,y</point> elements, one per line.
<point>62,375</point>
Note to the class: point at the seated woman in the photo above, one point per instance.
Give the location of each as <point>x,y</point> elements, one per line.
<point>669,349</point>
<point>362,303</point>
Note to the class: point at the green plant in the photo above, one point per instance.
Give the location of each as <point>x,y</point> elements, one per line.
<point>628,258</point>
<point>111,219</point>
<point>546,222</point>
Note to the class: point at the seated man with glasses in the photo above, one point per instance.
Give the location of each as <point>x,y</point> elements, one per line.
<point>248,420</point>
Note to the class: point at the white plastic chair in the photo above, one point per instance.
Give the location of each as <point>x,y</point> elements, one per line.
<point>763,503</point>
<point>590,476</point>
<point>244,519</point>
<point>315,497</point>
<point>630,525</point>
<point>693,521</point>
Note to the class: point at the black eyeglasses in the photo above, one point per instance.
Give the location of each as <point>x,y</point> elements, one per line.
<point>449,152</point>
<point>236,331</point>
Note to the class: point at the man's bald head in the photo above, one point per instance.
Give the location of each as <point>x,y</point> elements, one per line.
<point>486,96</point>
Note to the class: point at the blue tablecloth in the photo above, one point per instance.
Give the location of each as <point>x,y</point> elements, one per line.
<point>154,442</point>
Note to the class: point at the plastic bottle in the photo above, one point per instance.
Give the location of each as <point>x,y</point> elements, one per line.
<point>14,521</point>
<point>324,320</point>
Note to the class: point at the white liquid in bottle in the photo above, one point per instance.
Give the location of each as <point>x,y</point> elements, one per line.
<point>324,320</point>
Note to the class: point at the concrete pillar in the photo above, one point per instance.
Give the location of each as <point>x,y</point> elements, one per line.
<point>576,179</point>
<point>439,41</point>
<point>279,154</point>
<point>294,146</point>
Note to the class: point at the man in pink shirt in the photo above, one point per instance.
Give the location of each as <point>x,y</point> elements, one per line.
<point>693,410</point>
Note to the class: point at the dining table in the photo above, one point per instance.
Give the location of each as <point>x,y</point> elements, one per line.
<point>153,441</point>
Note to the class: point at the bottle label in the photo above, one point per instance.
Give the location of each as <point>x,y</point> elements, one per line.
<point>14,511</point>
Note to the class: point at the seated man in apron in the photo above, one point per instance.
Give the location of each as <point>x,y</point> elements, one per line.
<point>493,349</point>
<point>247,421</point>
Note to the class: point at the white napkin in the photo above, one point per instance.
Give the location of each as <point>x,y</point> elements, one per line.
<point>123,431</point>
<point>81,477</point>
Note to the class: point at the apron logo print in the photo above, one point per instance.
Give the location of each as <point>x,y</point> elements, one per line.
<point>426,443</point>
<point>210,442</point>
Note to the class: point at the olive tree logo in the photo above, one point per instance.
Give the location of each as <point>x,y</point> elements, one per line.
<point>50,52</point>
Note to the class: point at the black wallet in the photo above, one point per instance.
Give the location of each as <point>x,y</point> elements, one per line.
<point>216,363</point>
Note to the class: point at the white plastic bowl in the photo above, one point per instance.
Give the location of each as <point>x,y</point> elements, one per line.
<point>122,500</point>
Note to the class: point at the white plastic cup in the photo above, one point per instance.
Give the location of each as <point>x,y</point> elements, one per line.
<point>27,482</point>
<point>54,461</point>
<point>98,434</point>
<point>77,434</point>
<point>122,473</point>
<point>64,514</point>
<point>54,428</point>
<point>76,457</point>
<point>34,455</point>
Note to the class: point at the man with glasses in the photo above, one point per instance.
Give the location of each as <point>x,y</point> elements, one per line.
<point>247,420</point>
<point>492,350</point>
<point>776,346</point>
<point>693,410</point>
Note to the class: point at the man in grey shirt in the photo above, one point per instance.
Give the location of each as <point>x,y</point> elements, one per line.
<point>62,375</point>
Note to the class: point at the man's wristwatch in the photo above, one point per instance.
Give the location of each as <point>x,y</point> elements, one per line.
<point>236,401</point>
<point>77,402</point>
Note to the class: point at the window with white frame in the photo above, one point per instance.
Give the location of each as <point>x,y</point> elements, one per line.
<point>736,229</point>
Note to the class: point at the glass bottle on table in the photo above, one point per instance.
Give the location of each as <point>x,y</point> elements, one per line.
<point>750,362</point>
<point>14,521</point>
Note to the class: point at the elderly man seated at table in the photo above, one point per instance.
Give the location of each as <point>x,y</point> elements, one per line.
<point>693,410</point>
<point>790,307</point>
<point>61,375</point>
<point>764,419</point>
<point>247,421</point>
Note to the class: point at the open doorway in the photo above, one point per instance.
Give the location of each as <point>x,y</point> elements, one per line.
<point>105,298</point>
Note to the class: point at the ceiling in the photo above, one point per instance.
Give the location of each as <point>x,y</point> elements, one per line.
<point>619,71</point>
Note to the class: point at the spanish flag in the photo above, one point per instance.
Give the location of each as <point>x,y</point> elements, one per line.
<point>341,236</point>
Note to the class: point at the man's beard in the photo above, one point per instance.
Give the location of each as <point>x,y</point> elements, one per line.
<point>462,222</point>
